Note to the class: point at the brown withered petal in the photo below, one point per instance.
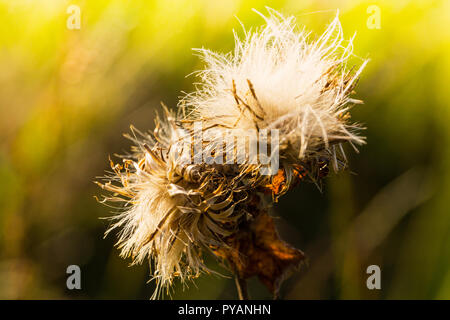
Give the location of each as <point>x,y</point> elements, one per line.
<point>258,250</point>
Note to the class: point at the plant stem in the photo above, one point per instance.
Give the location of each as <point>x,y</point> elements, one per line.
<point>241,285</point>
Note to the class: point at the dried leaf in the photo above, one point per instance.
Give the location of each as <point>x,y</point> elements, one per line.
<point>258,251</point>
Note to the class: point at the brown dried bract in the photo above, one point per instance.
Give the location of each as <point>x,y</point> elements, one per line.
<point>279,184</point>
<point>257,250</point>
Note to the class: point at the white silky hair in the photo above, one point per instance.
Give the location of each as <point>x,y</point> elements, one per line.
<point>164,218</point>
<point>276,78</point>
<point>282,80</point>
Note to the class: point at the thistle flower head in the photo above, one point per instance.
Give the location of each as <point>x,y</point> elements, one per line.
<point>278,78</point>
<point>174,210</point>
<point>152,206</point>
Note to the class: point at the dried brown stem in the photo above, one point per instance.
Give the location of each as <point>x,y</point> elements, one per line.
<point>241,285</point>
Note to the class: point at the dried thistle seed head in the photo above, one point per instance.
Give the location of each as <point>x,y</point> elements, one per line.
<point>148,225</point>
<point>173,210</point>
<point>278,78</point>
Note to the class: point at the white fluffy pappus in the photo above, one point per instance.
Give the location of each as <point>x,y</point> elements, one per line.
<point>151,212</point>
<point>172,211</point>
<point>278,78</point>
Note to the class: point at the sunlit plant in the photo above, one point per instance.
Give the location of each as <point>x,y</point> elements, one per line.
<point>183,197</point>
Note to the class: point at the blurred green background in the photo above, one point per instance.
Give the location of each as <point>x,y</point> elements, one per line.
<point>66,97</point>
